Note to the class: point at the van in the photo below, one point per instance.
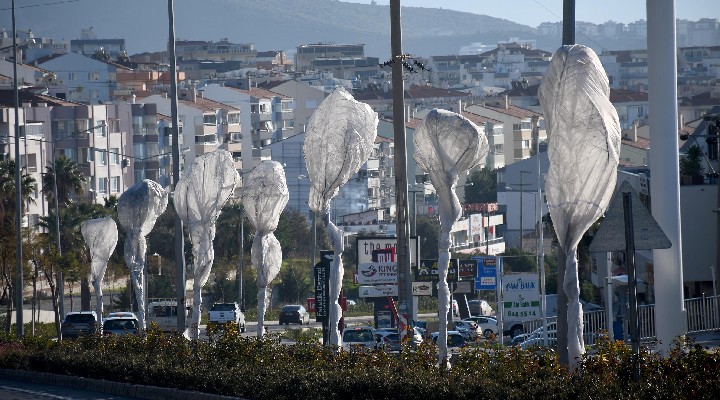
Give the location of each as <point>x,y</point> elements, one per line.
<point>163,312</point>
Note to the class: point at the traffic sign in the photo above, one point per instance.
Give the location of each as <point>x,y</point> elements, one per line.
<point>647,234</point>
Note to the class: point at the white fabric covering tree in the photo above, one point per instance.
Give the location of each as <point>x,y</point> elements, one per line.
<point>101,236</point>
<point>339,139</point>
<point>447,145</point>
<point>265,194</point>
<point>584,147</point>
<point>138,209</point>
<point>203,190</point>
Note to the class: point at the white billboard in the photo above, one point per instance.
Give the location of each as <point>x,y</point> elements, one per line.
<point>377,273</point>
<point>521,297</point>
<point>366,246</point>
<point>378,291</point>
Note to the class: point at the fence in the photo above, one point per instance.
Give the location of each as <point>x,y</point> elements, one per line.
<point>703,315</point>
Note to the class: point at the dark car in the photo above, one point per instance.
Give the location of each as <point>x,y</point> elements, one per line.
<point>79,323</point>
<point>294,314</point>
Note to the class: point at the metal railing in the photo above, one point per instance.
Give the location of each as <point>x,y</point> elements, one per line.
<point>703,315</point>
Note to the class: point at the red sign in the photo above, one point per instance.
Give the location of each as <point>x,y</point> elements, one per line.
<point>311,304</point>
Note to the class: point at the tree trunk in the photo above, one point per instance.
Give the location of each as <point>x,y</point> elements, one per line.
<point>85,295</point>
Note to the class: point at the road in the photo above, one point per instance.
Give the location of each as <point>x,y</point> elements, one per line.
<point>16,390</point>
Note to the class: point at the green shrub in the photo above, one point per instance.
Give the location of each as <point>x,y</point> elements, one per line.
<point>231,364</point>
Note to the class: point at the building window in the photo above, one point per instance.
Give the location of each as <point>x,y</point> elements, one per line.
<point>102,185</point>
<point>209,119</point>
<point>288,124</point>
<point>93,76</point>
<point>71,76</point>
<point>526,144</point>
<point>85,155</point>
<point>498,149</point>
<point>517,127</point>
<point>99,125</point>
<point>254,108</point>
<point>139,150</point>
<point>114,156</point>
<point>101,157</point>
<point>115,184</point>
<point>233,119</point>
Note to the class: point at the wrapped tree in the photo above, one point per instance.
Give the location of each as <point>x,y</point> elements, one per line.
<point>583,151</point>
<point>265,195</point>
<point>205,187</point>
<point>447,145</point>
<point>138,209</point>
<point>101,236</point>
<point>338,141</point>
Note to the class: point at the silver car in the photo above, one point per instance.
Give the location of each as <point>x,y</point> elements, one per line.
<point>79,323</point>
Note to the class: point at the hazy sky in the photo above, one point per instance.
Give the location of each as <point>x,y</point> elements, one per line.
<point>533,12</point>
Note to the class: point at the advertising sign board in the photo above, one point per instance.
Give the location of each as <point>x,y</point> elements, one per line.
<point>521,297</point>
<point>486,273</point>
<point>422,288</point>
<point>378,291</point>
<point>467,269</point>
<point>377,273</point>
<point>322,280</point>
<point>367,245</point>
<point>427,271</point>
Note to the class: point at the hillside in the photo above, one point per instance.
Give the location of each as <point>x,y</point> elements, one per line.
<point>270,24</point>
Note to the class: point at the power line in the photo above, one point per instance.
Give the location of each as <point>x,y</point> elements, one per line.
<point>44,4</point>
<point>576,31</point>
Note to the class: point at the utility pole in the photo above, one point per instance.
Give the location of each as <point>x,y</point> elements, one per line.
<point>18,193</point>
<point>401,187</point>
<point>179,236</point>
<point>568,38</point>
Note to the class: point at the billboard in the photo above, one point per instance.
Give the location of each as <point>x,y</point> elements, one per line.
<point>521,297</point>
<point>427,271</point>
<point>486,273</point>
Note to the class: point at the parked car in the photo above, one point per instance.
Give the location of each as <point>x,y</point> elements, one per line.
<point>122,323</point>
<point>388,341</point>
<point>79,323</point>
<point>355,337</point>
<point>469,329</point>
<point>479,307</point>
<point>455,340</point>
<point>487,325</point>
<point>117,314</point>
<point>535,339</point>
<point>294,314</point>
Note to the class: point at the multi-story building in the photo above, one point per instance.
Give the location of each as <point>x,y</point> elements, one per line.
<point>206,124</point>
<point>307,53</point>
<point>96,137</point>
<point>306,99</point>
<point>89,45</point>
<point>517,127</point>
<point>266,116</point>
<point>82,79</point>
<point>222,50</point>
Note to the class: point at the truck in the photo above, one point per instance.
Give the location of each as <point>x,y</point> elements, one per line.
<point>163,312</point>
<point>222,313</point>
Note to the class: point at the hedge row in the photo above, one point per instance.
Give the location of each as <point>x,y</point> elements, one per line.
<point>230,364</point>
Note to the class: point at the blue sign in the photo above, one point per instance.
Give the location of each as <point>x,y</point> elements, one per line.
<point>486,273</point>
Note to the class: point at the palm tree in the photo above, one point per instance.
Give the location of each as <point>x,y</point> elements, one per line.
<point>7,192</point>
<point>70,181</point>
<point>8,224</point>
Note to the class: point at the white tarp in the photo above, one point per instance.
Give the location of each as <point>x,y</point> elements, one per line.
<point>339,140</point>
<point>138,209</point>
<point>447,145</point>
<point>265,194</point>
<point>199,196</point>
<point>101,236</point>
<point>583,150</point>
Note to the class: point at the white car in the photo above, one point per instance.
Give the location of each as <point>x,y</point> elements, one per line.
<point>479,307</point>
<point>486,325</point>
<point>455,340</point>
<point>470,327</point>
<point>358,337</point>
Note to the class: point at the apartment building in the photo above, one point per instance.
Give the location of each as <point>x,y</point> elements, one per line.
<point>82,79</point>
<point>96,137</point>
<point>517,127</point>
<point>222,50</point>
<point>266,116</point>
<point>306,53</point>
